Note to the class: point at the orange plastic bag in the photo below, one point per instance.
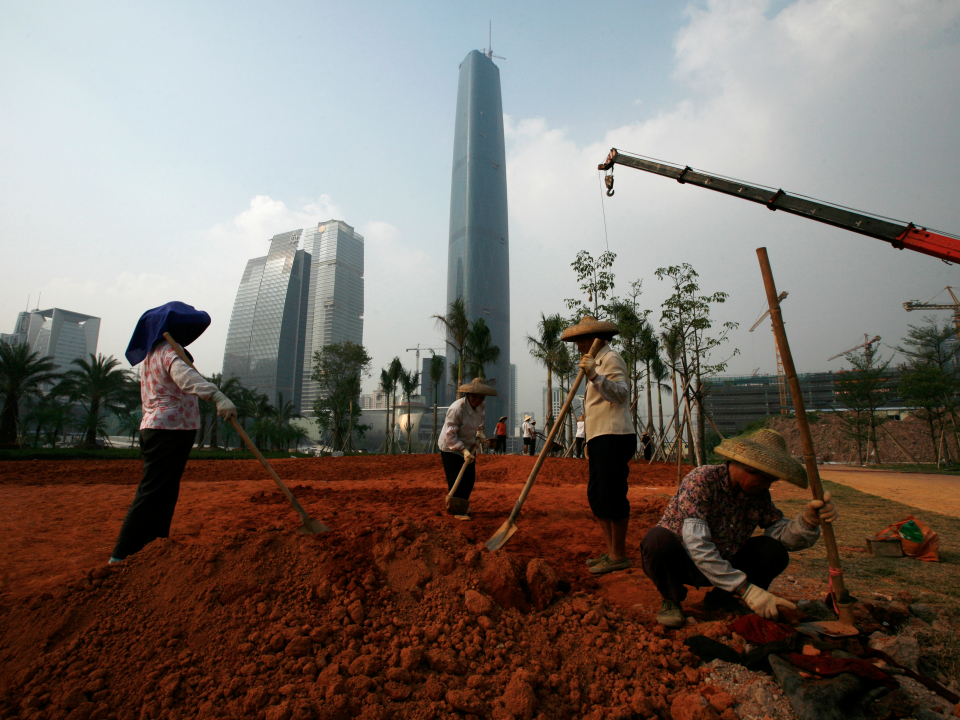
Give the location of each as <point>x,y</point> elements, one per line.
<point>926,550</point>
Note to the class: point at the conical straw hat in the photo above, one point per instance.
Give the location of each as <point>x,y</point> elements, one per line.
<point>477,387</point>
<point>765,450</point>
<point>589,325</point>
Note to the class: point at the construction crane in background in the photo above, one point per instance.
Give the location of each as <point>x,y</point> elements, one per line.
<point>781,376</point>
<point>912,305</point>
<point>899,234</point>
<point>867,344</point>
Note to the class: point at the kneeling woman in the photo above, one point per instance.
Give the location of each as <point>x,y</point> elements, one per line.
<point>458,438</point>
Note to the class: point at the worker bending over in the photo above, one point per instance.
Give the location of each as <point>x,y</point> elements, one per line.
<point>704,537</point>
<point>169,389</point>
<point>462,430</point>
<point>611,440</point>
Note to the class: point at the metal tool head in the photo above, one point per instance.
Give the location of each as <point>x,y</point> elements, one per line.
<point>312,527</point>
<point>457,506</point>
<point>832,628</point>
<point>501,537</point>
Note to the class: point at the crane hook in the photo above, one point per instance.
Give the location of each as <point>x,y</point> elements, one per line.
<point>608,180</point>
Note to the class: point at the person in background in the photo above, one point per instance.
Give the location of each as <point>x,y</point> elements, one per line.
<point>525,434</point>
<point>501,435</point>
<point>581,436</point>
<point>461,433</point>
<point>611,440</point>
<point>532,436</point>
<point>646,446</point>
<point>705,536</point>
<point>169,389</point>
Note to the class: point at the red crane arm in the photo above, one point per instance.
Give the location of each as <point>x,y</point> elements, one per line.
<point>900,235</point>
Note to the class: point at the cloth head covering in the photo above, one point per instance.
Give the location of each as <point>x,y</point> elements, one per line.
<point>184,322</point>
<point>476,387</point>
<point>589,325</point>
<point>765,450</point>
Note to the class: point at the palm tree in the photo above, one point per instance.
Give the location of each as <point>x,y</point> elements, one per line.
<point>436,375</point>
<point>547,348</point>
<point>455,326</point>
<point>386,383</point>
<point>22,374</point>
<point>670,341</point>
<point>408,383</point>
<point>649,353</point>
<point>129,424</point>
<point>263,419</point>
<point>99,385</point>
<point>658,374</point>
<point>229,387</point>
<point>285,412</point>
<point>396,370</point>
<point>479,349</point>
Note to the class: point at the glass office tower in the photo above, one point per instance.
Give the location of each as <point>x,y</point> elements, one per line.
<point>478,264</point>
<point>291,303</point>
<point>58,334</point>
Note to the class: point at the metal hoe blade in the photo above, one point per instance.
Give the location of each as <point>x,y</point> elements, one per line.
<point>502,535</point>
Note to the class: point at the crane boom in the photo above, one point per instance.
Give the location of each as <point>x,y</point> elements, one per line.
<point>865,344</point>
<point>900,235</point>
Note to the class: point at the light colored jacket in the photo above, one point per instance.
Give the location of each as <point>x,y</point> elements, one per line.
<point>606,406</point>
<point>460,426</point>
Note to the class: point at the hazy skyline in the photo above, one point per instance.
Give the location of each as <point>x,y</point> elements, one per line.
<point>149,152</point>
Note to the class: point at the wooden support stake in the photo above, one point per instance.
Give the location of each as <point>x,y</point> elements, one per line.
<point>842,595</point>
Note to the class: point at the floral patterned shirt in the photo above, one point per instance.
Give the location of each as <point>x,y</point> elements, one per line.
<point>169,389</point>
<point>732,515</point>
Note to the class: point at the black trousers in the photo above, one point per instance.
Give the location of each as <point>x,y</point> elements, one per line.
<point>609,468</point>
<point>165,454</point>
<point>579,449</point>
<point>667,564</point>
<point>452,462</point>
<point>501,444</point>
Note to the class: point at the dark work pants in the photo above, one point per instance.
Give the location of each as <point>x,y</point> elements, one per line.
<point>579,450</point>
<point>666,562</point>
<point>501,444</point>
<point>452,462</point>
<point>165,454</point>
<point>609,468</point>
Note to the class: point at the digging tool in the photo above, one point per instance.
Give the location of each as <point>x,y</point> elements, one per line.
<point>507,530</point>
<point>310,526</point>
<point>458,506</point>
<point>841,594</point>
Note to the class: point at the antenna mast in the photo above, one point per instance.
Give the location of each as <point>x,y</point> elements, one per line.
<point>488,51</point>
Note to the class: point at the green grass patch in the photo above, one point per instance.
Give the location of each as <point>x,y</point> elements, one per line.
<point>863,515</point>
<point>911,468</point>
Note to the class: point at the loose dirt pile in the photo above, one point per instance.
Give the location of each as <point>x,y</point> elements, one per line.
<point>833,445</point>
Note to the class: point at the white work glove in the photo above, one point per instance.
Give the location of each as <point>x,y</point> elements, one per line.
<point>481,436</point>
<point>589,366</point>
<point>225,408</point>
<point>468,457</point>
<point>817,510</point>
<point>765,603</point>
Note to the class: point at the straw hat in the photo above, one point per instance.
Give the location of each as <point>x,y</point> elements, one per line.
<point>477,387</point>
<point>765,450</point>
<point>502,419</point>
<point>589,325</point>
<point>526,418</point>
<point>579,418</point>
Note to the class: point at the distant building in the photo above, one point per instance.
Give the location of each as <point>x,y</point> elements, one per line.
<point>58,334</point>
<point>305,294</point>
<point>512,414</point>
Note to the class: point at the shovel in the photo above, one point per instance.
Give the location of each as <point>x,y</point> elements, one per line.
<point>310,526</point>
<point>458,506</point>
<point>507,530</point>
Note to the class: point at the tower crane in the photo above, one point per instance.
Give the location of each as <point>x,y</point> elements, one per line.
<point>867,343</point>
<point>912,305</point>
<point>899,234</point>
<point>781,376</point>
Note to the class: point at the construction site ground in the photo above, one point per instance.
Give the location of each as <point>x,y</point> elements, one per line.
<point>398,612</point>
<point>927,491</point>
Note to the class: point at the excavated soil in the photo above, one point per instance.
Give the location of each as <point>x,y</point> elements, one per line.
<point>398,612</point>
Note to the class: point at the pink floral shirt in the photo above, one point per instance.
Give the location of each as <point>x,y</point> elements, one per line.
<point>168,391</point>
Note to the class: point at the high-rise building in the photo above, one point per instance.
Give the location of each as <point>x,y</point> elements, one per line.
<point>55,333</point>
<point>512,415</point>
<point>478,264</point>
<point>291,303</point>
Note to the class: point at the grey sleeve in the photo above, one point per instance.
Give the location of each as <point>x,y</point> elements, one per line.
<point>794,534</point>
<point>190,381</point>
<point>698,542</point>
<point>615,391</point>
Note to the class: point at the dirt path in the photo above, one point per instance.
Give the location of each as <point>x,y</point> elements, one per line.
<point>937,493</point>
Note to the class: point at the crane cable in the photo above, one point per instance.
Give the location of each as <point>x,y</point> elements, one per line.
<point>604,211</point>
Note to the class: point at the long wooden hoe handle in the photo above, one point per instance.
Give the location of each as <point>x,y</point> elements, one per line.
<point>558,423</point>
<point>844,601</point>
<point>308,522</point>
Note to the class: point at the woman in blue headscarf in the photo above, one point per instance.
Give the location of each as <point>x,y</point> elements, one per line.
<point>169,389</point>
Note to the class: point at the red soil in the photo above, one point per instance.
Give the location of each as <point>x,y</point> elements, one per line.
<point>398,612</point>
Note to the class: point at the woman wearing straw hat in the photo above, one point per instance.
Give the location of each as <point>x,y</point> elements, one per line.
<point>529,431</point>
<point>704,537</point>
<point>610,438</point>
<point>581,436</point>
<point>501,436</point>
<point>458,441</point>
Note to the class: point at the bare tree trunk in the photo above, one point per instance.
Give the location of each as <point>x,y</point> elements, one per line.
<point>549,394</point>
<point>649,402</point>
<point>437,434</point>
<point>386,429</point>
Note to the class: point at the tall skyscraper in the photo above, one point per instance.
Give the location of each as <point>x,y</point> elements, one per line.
<point>478,264</point>
<point>58,334</point>
<point>291,303</point>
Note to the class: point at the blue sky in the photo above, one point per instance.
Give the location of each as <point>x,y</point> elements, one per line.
<point>149,151</point>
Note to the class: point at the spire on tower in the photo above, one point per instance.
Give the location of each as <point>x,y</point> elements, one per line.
<point>488,51</point>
